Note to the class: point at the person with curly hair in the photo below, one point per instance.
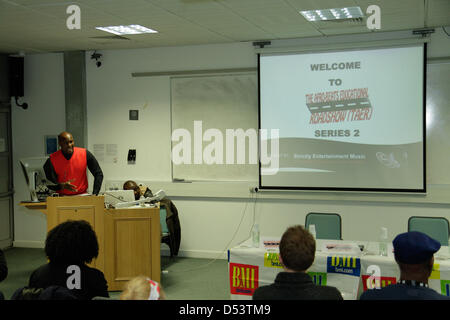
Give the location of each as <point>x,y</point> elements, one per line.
<point>69,247</point>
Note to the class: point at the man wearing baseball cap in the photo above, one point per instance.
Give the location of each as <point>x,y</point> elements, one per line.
<point>413,253</point>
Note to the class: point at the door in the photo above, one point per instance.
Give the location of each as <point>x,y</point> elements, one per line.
<point>6,183</point>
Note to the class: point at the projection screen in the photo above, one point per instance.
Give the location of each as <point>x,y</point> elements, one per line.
<point>343,120</point>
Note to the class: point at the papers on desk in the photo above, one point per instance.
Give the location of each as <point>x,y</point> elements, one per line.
<point>332,247</point>
<point>145,205</point>
<point>443,253</point>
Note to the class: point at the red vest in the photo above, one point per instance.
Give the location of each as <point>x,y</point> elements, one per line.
<point>73,169</point>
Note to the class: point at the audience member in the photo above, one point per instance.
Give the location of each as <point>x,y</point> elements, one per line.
<point>142,288</point>
<point>3,270</point>
<point>413,253</point>
<point>172,220</point>
<point>297,252</point>
<point>50,293</point>
<point>70,246</point>
<point>3,266</point>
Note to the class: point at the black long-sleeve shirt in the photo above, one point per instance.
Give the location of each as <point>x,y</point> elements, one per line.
<point>3,266</point>
<point>92,165</point>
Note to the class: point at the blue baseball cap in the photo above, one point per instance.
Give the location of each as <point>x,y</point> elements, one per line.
<point>414,247</point>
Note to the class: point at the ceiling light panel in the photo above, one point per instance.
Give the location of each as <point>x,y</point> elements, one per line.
<point>333,14</point>
<point>124,30</point>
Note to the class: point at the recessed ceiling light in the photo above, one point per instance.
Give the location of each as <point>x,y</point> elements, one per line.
<point>123,30</point>
<point>333,14</point>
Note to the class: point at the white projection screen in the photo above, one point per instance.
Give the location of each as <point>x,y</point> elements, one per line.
<point>347,120</point>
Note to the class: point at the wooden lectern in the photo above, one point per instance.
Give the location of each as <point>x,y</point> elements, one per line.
<point>89,208</point>
<point>132,245</point>
<point>129,239</point>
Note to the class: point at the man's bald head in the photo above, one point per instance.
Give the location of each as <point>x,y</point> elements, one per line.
<point>66,143</point>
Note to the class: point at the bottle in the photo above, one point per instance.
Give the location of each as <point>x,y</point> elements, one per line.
<point>383,242</point>
<point>312,230</point>
<point>255,235</point>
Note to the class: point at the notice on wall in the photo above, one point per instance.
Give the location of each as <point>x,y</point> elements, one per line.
<point>106,153</point>
<point>99,152</point>
<point>111,153</point>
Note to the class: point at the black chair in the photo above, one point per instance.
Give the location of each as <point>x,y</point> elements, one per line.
<point>164,229</point>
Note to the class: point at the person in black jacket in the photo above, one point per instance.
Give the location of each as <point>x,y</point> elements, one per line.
<point>414,253</point>
<point>3,270</point>
<point>70,246</point>
<point>297,252</point>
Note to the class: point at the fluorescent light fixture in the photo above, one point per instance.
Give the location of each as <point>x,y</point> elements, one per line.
<point>333,14</point>
<point>123,30</point>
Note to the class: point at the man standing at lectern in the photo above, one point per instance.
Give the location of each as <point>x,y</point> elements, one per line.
<point>67,168</point>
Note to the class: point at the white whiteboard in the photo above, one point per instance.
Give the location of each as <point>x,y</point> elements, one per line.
<point>218,102</point>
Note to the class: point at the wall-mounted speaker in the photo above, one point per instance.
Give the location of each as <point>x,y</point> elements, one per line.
<point>16,76</point>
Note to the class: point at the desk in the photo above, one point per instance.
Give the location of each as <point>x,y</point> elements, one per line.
<point>129,239</point>
<point>41,206</point>
<point>250,268</point>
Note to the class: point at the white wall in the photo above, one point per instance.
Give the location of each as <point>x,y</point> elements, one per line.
<point>210,222</point>
<point>111,92</point>
<point>44,93</point>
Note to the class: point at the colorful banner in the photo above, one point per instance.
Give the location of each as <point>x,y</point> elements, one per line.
<point>250,268</point>
<point>350,266</point>
<point>244,278</point>
<point>272,260</point>
<point>372,282</point>
<point>319,278</point>
<point>445,287</point>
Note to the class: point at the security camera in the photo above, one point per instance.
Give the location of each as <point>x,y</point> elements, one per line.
<point>24,105</point>
<point>96,56</point>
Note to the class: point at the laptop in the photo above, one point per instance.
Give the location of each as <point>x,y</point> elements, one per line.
<point>112,197</point>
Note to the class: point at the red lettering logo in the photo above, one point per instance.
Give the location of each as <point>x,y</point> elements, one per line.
<point>370,282</point>
<point>243,278</point>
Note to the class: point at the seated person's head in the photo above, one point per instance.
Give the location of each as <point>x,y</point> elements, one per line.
<point>131,185</point>
<point>297,249</point>
<point>71,242</point>
<point>142,288</point>
<point>414,252</point>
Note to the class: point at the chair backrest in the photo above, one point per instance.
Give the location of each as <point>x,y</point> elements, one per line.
<point>435,227</point>
<point>162,220</point>
<point>328,225</point>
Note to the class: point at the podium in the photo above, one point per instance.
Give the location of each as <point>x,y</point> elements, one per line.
<point>88,208</point>
<point>132,245</point>
<point>129,239</point>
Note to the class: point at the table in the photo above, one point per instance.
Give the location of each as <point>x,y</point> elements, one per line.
<point>250,268</point>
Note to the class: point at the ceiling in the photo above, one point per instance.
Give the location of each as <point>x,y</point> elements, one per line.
<point>36,26</point>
